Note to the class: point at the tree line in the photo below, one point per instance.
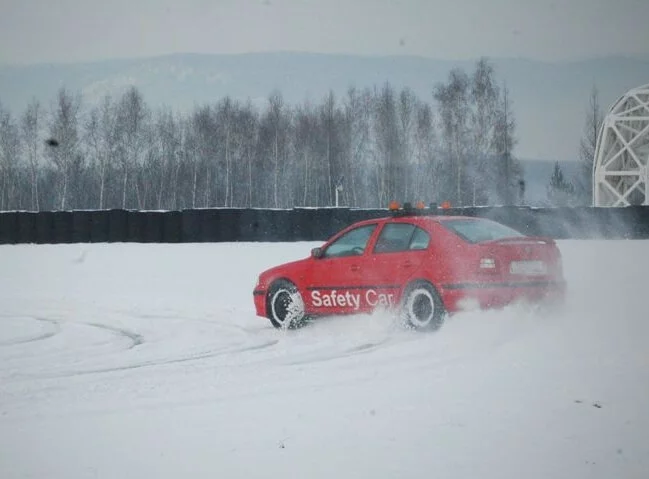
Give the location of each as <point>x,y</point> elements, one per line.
<point>367,148</point>
<point>578,191</point>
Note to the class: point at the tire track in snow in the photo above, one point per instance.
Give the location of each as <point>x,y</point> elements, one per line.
<point>163,362</point>
<point>135,339</point>
<point>54,329</point>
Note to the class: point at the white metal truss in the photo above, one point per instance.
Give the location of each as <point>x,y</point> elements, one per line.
<point>620,167</point>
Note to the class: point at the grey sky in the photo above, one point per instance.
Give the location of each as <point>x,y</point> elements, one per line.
<point>79,30</point>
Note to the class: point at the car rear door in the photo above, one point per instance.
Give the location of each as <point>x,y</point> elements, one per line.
<point>397,254</point>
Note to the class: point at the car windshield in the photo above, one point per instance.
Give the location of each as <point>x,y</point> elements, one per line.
<point>479,230</point>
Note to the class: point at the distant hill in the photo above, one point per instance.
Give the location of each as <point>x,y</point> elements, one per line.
<point>550,100</point>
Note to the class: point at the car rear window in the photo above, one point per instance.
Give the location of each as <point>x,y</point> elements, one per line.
<point>479,230</point>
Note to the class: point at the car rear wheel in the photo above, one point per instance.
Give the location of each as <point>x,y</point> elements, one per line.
<point>285,305</point>
<point>422,308</point>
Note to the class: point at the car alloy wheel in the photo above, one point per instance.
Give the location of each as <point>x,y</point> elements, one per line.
<point>422,307</point>
<point>285,305</point>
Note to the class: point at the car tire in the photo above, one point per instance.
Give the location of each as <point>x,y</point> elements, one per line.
<point>421,307</point>
<point>285,306</point>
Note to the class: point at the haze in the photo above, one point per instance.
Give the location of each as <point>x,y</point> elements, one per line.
<point>36,31</point>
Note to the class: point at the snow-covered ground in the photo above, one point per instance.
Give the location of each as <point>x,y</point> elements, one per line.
<point>147,361</point>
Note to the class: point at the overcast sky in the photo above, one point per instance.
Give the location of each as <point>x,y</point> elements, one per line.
<point>79,30</point>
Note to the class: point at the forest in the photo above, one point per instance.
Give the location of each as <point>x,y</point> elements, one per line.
<point>373,145</point>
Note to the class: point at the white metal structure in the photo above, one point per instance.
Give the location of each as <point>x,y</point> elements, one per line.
<point>620,167</point>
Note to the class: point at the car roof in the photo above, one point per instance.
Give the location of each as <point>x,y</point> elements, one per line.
<point>415,219</point>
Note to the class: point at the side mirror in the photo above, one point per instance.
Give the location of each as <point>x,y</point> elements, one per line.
<point>316,253</point>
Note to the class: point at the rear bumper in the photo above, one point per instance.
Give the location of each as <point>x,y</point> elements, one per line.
<point>259,296</point>
<point>463,296</point>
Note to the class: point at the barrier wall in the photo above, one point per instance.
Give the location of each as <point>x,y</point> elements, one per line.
<point>298,224</point>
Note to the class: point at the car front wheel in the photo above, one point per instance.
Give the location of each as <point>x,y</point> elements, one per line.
<point>285,305</point>
<point>422,308</point>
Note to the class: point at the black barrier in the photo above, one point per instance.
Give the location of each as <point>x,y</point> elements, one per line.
<point>153,226</point>
<point>210,225</point>
<point>172,230</point>
<point>191,230</point>
<point>228,224</point>
<point>302,224</point>
<point>253,225</point>
<point>25,228</point>
<point>80,225</point>
<point>61,227</point>
<point>43,227</point>
<point>9,228</point>
<point>114,225</point>
<point>299,224</point>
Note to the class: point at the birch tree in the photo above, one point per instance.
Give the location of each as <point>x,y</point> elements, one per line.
<point>508,170</point>
<point>246,138</point>
<point>100,139</point>
<point>64,127</point>
<point>9,152</point>
<point>357,116</point>
<point>484,98</point>
<point>453,106</point>
<point>428,176</point>
<point>387,147</point>
<point>31,125</point>
<point>132,118</point>
<point>407,107</point>
<point>588,143</point>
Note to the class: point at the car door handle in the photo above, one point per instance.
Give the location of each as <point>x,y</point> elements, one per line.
<point>355,267</point>
<point>407,264</point>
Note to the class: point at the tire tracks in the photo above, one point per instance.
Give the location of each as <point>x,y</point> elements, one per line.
<point>55,329</point>
<point>176,360</point>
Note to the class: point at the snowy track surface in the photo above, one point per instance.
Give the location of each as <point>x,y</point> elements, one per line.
<point>138,361</point>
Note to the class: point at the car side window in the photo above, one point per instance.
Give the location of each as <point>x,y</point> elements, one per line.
<point>397,237</point>
<point>352,243</point>
<point>394,237</point>
<point>420,240</point>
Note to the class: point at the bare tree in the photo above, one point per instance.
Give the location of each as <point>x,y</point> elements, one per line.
<point>274,142</point>
<point>9,153</point>
<point>428,176</point>
<point>588,144</point>
<point>388,159</point>
<point>407,109</point>
<point>357,116</point>
<point>225,115</point>
<point>305,132</point>
<point>246,139</point>
<point>100,139</point>
<point>453,104</point>
<point>508,169</point>
<point>330,122</point>
<point>64,128</point>
<point>202,144</point>
<point>31,125</point>
<point>484,97</point>
<point>132,118</point>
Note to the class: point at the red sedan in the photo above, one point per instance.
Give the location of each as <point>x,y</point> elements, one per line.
<point>420,265</point>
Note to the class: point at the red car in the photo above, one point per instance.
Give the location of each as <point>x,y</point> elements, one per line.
<point>422,266</point>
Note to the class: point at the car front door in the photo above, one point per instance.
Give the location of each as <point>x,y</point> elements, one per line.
<point>337,276</point>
